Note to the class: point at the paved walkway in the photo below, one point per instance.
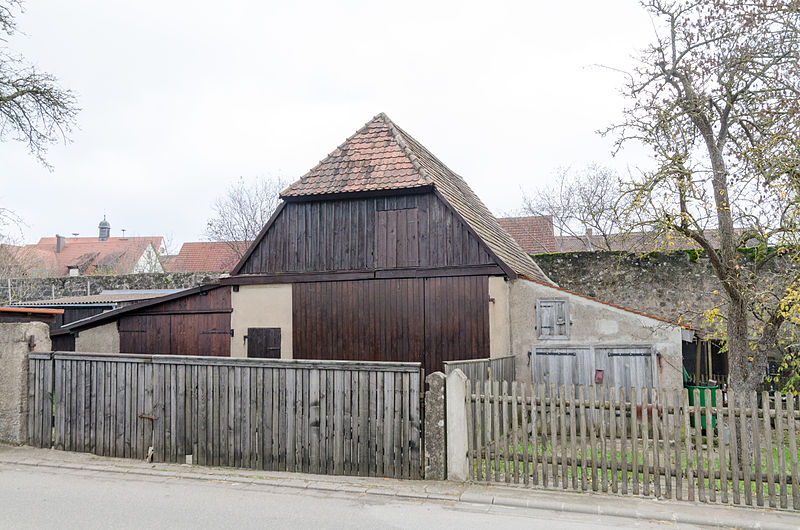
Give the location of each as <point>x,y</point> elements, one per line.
<point>641,509</point>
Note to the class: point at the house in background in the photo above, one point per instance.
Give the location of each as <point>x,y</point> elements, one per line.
<point>207,256</point>
<point>536,235</point>
<point>533,233</point>
<point>78,256</point>
<point>382,253</point>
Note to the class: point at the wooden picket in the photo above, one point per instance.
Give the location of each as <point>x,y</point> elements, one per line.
<point>638,442</point>
<point>303,416</point>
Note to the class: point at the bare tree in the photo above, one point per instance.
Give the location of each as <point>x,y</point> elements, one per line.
<point>582,204</point>
<point>244,209</point>
<point>717,99</point>
<point>33,108</point>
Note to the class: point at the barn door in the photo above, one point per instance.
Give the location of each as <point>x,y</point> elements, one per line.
<point>264,343</point>
<point>561,366</point>
<point>626,366</point>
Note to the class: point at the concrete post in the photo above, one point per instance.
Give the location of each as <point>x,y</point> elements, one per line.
<point>457,448</point>
<point>435,436</point>
<point>16,340</point>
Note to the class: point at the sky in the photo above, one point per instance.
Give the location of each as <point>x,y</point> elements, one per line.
<point>179,99</point>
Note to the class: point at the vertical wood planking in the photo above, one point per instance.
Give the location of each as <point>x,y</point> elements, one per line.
<point>792,428</point>
<point>756,434</point>
<point>780,446</point>
<point>506,424</point>
<point>769,468</point>
<point>592,420</point>
<point>745,430</point>
<point>734,445</point>
<point>722,467</point>
<point>582,419</point>
<point>656,438</point>
<point>612,433</point>
<point>698,448</point>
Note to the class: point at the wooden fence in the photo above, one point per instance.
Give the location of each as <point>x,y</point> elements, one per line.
<point>334,417</point>
<point>478,371</point>
<point>637,442</point>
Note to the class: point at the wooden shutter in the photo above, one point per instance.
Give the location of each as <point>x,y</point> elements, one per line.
<point>552,319</point>
<point>264,343</point>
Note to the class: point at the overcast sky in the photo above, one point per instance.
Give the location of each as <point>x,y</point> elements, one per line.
<point>180,98</point>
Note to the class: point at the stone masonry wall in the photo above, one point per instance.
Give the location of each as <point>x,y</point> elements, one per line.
<point>24,289</point>
<point>670,285</point>
<point>16,340</point>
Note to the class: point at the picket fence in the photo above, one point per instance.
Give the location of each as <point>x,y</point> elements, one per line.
<point>637,442</point>
<point>481,370</point>
<point>337,417</point>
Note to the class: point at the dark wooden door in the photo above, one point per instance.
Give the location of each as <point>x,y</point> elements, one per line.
<point>264,343</point>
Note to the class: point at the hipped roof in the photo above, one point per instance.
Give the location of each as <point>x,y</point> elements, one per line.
<point>382,157</point>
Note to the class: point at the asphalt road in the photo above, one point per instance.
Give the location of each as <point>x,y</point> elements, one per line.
<point>33,497</point>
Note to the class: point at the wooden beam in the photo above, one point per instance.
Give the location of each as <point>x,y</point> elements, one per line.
<point>336,276</point>
<point>189,311</point>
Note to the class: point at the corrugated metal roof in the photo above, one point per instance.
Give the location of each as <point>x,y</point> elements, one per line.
<point>108,296</point>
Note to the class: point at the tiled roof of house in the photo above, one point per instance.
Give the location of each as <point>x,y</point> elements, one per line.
<point>533,233</point>
<point>381,156</point>
<point>117,255</point>
<point>206,256</point>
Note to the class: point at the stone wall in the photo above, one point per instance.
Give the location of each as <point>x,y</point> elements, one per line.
<point>672,285</point>
<point>16,340</point>
<point>24,289</point>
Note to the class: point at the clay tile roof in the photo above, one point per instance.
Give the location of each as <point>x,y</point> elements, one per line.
<point>381,156</point>
<point>207,257</point>
<point>117,255</point>
<point>534,233</point>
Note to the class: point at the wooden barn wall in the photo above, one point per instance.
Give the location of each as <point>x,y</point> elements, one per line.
<point>420,320</point>
<point>366,234</point>
<point>194,325</point>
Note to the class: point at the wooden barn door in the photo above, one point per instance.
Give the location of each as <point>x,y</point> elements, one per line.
<point>264,343</point>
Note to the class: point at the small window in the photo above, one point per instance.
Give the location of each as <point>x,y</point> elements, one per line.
<point>552,318</point>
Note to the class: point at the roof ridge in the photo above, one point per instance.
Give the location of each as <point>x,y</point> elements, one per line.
<point>383,118</point>
<point>398,135</point>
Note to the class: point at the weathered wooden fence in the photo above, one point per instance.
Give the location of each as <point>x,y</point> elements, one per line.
<point>40,399</point>
<point>637,442</point>
<point>335,417</point>
<point>478,371</point>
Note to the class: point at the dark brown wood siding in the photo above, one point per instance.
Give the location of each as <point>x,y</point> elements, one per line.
<point>421,320</point>
<point>198,324</point>
<point>366,234</point>
<point>456,319</point>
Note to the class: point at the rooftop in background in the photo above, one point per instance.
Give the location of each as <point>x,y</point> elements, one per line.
<point>207,256</point>
<point>381,156</point>
<point>77,256</point>
<point>534,233</point>
<point>111,296</point>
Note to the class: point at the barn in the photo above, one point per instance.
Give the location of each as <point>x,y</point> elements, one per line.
<point>381,252</point>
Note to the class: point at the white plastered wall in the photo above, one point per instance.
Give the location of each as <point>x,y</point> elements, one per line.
<point>499,322</point>
<point>261,306</point>
<point>593,323</point>
<point>99,339</point>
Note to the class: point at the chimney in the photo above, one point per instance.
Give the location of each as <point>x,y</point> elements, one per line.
<point>105,230</point>
<point>61,242</point>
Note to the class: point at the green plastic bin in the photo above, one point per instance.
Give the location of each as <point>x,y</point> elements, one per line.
<point>704,391</point>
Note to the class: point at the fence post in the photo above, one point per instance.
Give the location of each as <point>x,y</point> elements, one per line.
<point>457,447</point>
<point>435,444</point>
<point>16,341</point>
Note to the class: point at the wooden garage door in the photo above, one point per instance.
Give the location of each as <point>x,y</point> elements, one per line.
<point>427,320</point>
